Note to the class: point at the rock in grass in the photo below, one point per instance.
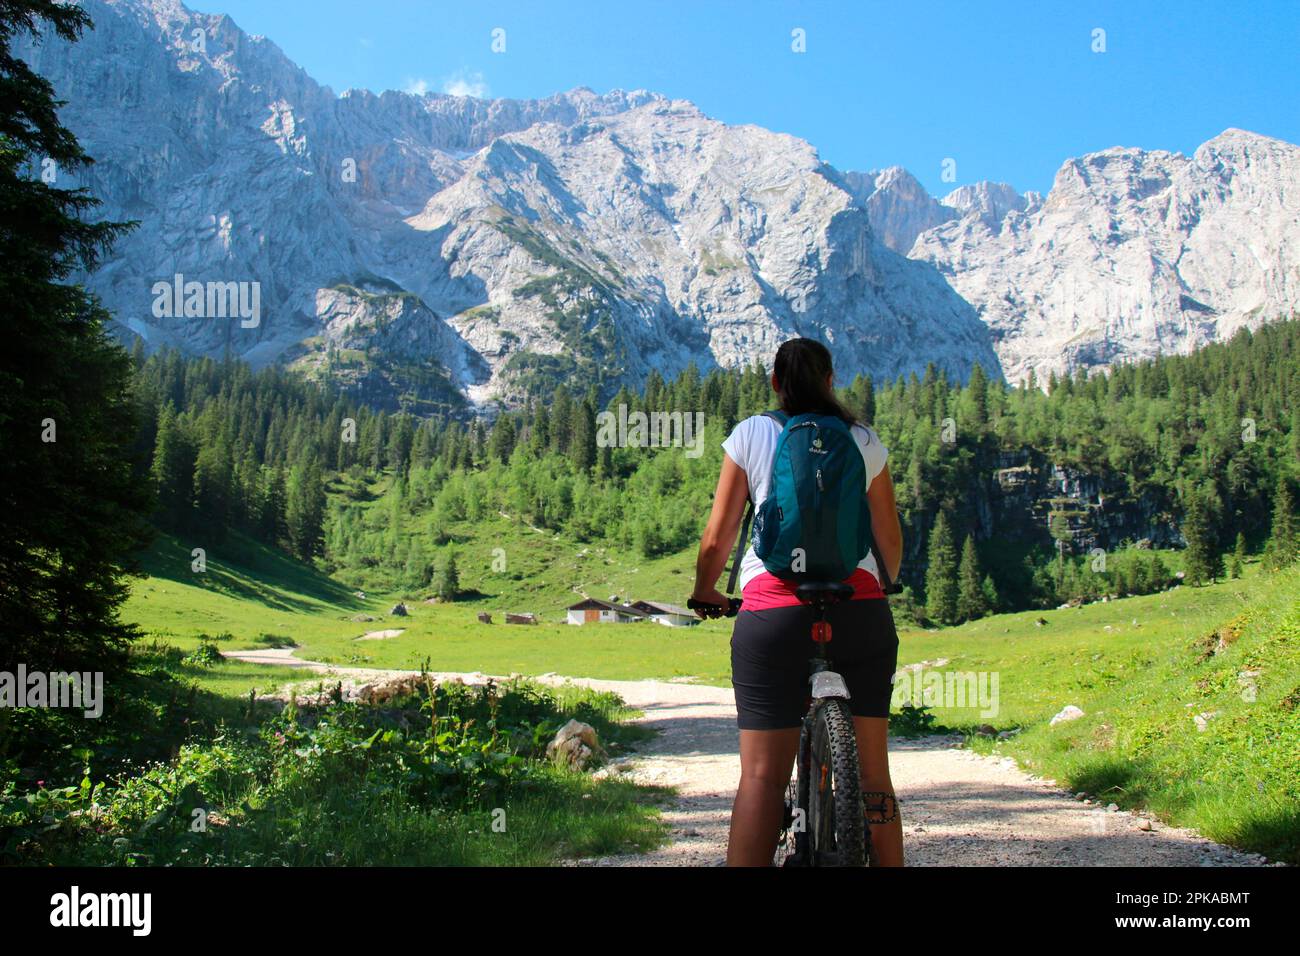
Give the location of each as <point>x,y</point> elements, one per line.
<point>1068,712</point>
<point>575,744</point>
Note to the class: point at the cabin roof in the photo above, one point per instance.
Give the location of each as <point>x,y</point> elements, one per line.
<point>593,604</point>
<point>659,607</point>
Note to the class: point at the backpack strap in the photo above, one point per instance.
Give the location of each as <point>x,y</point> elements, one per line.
<point>886,585</point>
<point>780,418</point>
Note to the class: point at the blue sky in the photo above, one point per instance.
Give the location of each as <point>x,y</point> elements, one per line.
<point>1007,90</point>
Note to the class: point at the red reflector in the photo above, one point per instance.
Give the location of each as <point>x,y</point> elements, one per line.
<point>821,631</point>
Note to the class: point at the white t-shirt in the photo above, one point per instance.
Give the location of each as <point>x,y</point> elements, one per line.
<point>752,446</point>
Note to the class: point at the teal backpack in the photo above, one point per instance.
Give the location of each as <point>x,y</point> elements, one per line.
<point>815,524</point>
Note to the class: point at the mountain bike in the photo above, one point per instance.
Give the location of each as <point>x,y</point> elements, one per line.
<point>825,821</point>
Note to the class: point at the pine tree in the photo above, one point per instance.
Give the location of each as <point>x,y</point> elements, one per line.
<point>305,510</point>
<point>273,527</point>
<point>213,491</point>
<point>971,600</point>
<point>941,575</point>
<point>73,514</point>
<point>978,387</point>
<point>1204,562</point>
<point>992,600</point>
<point>502,442</point>
<point>584,437</point>
<point>561,420</point>
<point>1282,543</point>
<point>448,579</point>
<point>173,473</point>
<point>868,404</point>
<point>1238,556</point>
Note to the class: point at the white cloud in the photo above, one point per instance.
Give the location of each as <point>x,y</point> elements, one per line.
<point>416,87</point>
<point>466,84</point>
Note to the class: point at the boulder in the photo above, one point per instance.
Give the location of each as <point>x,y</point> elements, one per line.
<point>391,688</point>
<point>576,745</point>
<point>1069,712</point>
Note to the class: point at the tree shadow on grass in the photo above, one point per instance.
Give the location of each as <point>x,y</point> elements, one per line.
<point>241,568</point>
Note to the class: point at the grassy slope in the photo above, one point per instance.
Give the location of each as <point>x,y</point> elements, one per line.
<point>1238,780</point>
<point>250,594</point>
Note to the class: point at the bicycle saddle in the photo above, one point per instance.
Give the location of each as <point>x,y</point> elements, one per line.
<point>823,592</point>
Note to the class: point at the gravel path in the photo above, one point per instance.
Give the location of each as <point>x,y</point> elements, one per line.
<point>959,808</point>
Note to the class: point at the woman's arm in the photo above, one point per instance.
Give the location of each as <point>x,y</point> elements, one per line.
<point>720,533</point>
<point>885,526</point>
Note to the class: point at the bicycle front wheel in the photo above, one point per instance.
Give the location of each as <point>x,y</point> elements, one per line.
<point>836,825</point>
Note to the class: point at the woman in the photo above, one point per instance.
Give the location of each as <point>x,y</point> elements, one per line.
<point>771,643</point>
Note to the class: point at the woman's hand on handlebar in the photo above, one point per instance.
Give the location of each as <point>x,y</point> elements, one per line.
<point>713,603</point>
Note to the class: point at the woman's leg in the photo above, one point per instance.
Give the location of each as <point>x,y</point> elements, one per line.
<point>873,755</point>
<point>766,761</point>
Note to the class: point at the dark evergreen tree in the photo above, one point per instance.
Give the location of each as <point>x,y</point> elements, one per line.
<point>941,574</point>
<point>584,437</point>
<point>1204,562</point>
<point>173,473</point>
<point>972,602</point>
<point>447,583</point>
<point>502,442</point>
<point>1282,542</point>
<point>305,510</point>
<point>72,510</point>
<point>1238,556</point>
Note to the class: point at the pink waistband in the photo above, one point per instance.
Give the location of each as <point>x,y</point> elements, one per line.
<point>766,590</point>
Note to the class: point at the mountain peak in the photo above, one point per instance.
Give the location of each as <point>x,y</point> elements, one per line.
<point>989,200</point>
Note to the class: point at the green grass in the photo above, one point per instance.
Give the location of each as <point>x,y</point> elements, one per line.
<point>571,816</point>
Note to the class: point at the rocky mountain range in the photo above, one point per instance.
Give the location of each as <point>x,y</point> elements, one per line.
<point>1132,254</point>
<point>432,249</point>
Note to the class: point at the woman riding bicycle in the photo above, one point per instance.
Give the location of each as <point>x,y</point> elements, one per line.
<point>770,644</point>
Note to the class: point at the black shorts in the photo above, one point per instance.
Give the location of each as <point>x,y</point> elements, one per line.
<point>770,651</point>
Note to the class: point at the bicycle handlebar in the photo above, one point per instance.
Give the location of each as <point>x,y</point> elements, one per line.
<point>715,610</point>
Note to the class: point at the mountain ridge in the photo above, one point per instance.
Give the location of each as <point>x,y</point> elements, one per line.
<point>582,237</point>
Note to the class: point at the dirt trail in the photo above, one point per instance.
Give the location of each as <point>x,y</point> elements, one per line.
<point>959,808</point>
